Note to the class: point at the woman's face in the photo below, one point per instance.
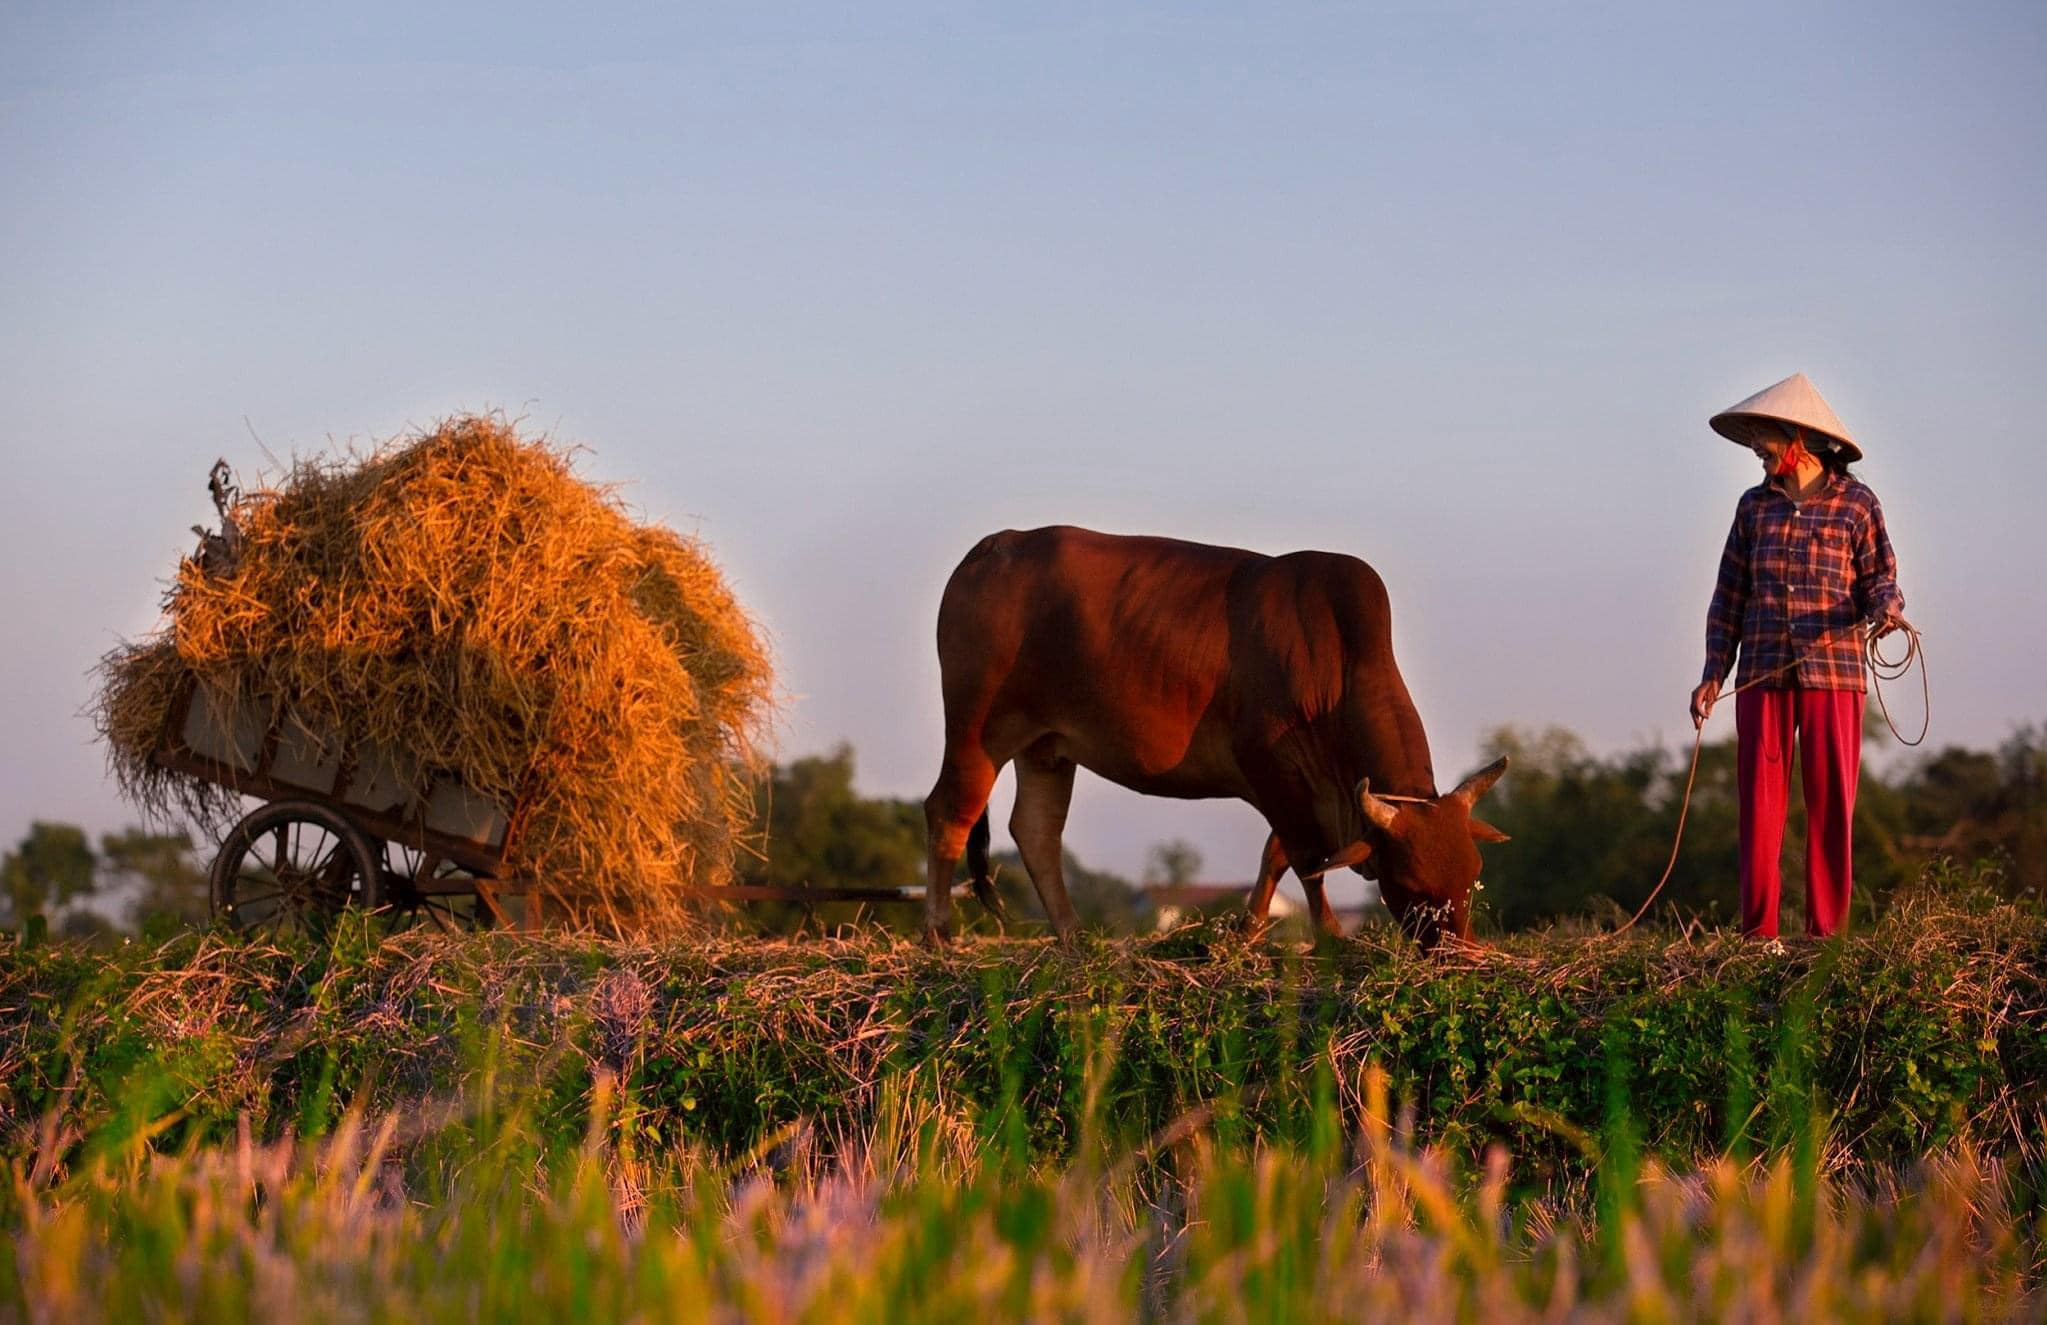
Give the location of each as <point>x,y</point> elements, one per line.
<point>1770,442</point>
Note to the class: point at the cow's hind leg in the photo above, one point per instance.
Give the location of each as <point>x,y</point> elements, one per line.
<point>951,812</point>
<point>1044,788</point>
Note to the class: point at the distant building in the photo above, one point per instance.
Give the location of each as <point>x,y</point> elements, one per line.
<point>1177,903</point>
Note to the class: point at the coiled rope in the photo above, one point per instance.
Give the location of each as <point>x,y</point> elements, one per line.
<point>1881,669</point>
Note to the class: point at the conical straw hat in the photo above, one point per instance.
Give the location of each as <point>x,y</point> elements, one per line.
<point>1793,400</point>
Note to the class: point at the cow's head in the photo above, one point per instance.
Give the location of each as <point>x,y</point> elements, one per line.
<point>1424,854</point>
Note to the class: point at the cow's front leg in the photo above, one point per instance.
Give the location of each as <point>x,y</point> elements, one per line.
<point>1319,909</point>
<point>1044,789</point>
<point>1299,841</point>
<point>1258,907</point>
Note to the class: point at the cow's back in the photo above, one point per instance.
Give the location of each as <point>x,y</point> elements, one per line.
<point>1142,658</point>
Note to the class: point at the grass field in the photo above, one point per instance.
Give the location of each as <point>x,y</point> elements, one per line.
<point>1665,1127</point>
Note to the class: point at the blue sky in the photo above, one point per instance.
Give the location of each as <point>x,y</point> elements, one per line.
<point>842,288</point>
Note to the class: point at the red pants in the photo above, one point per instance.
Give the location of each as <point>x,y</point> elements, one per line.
<point>1828,725</point>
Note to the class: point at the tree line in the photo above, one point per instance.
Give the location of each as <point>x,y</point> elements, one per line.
<point>1591,834</point>
<point>133,882</point>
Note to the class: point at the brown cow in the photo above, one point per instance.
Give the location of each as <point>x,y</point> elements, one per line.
<point>1179,669</point>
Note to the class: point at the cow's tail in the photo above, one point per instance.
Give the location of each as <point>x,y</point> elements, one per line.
<point>982,877</point>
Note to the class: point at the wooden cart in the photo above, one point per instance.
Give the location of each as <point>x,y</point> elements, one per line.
<point>341,826</point>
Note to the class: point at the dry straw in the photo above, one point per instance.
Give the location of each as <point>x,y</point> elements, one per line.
<point>462,596</point>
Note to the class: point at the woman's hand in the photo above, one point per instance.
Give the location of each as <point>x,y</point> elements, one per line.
<point>1702,701</point>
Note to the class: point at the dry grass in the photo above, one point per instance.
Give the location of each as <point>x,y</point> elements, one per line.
<point>463,597</point>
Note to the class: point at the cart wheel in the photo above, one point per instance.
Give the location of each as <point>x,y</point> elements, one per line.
<point>425,890</point>
<point>290,867</point>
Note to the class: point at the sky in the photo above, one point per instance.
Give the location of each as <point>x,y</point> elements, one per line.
<point>841,288</point>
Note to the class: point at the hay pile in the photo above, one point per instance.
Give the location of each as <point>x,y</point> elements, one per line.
<point>462,596</point>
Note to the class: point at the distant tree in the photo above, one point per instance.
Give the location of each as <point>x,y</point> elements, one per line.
<point>1172,863</point>
<point>819,832</point>
<point>47,872</point>
<point>1593,834</point>
<point>164,884</point>
<point>1971,803</point>
<point>1107,903</point>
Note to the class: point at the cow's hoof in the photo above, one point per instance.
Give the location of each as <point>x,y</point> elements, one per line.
<point>936,939</point>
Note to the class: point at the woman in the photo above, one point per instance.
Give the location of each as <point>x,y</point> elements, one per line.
<point>1807,562</point>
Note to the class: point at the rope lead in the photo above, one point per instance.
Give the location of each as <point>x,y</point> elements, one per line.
<point>1881,669</point>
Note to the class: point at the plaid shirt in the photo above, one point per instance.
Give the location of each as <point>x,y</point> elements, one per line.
<point>1792,572</point>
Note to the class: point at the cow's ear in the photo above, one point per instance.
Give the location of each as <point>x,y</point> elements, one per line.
<point>1349,858</point>
<point>1485,832</point>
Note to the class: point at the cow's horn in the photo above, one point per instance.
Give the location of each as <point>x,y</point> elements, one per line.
<point>1380,813</point>
<point>1479,783</point>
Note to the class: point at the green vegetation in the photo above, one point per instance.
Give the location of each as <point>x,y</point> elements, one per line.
<point>1671,1124</point>
<point>1930,1026</point>
<point>462,1217</point>
<point>1191,1127</point>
